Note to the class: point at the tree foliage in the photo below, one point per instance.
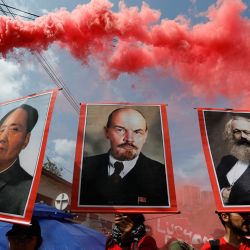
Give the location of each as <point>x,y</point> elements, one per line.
<point>52,167</point>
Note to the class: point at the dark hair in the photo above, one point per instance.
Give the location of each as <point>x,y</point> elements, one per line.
<point>136,218</point>
<point>110,117</point>
<point>32,230</point>
<point>32,116</point>
<point>220,217</point>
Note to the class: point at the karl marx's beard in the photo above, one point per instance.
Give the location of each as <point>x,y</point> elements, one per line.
<point>240,149</point>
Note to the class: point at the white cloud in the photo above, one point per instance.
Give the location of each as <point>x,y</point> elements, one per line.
<point>64,147</point>
<point>193,170</point>
<point>58,159</point>
<point>66,164</point>
<point>11,80</point>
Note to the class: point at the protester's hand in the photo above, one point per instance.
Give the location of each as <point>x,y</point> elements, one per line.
<point>225,194</point>
<point>125,225</point>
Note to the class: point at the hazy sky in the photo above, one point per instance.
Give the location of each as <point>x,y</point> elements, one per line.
<point>181,88</point>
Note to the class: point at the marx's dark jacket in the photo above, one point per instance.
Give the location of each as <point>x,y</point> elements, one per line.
<point>144,185</point>
<point>15,186</point>
<point>240,192</point>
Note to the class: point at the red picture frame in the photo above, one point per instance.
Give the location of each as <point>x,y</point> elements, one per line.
<point>94,116</point>
<point>44,103</point>
<point>212,123</point>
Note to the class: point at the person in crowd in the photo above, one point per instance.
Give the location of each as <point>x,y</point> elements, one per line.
<point>15,182</point>
<point>25,237</point>
<point>124,175</point>
<point>233,172</point>
<point>179,245</point>
<point>237,227</point>
<point>129,233</point>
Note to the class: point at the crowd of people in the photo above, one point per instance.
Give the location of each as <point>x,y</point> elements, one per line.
<point>129,233</point>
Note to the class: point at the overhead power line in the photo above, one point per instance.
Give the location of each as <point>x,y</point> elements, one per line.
<point>8,7</point>
<point>56,78</point>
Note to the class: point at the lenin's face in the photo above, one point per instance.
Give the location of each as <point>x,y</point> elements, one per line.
<point>127,134</point>
<point>13,137</point>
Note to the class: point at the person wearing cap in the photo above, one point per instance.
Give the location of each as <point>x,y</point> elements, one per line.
<point>178,245</point>
<point>124,175</point>
<point>22,237</point>
<point>237,227</point>
<point>15,182</point>
<point>129,233</point>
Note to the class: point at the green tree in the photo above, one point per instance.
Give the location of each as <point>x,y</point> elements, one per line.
<point>52,167</point>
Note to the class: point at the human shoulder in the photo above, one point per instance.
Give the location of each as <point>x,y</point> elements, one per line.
<point>221,244</point>
<point>147,243</point>
<point>226,163</point>
<point>206,246</point>
<point>16,175</point>
<point>95,157</point>
<point>228,159</point>
<point>93,164</point>
<point>23,183</point>
<point>25,175</point>
<point>150,161</point>
<point>245,244</point>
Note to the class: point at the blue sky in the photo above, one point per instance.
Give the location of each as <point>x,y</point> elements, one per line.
<point>21,75</point>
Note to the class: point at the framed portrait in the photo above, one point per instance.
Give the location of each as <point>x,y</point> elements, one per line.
<point>24,127</point>
<point>225,138</point>
<point>123,160</point>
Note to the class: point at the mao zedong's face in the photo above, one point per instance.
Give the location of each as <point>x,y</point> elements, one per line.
<point>13,137</point>
<point>127,134</point>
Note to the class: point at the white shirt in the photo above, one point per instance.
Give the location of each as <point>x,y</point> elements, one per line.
<point>236,171</point>
<point>128,165</point>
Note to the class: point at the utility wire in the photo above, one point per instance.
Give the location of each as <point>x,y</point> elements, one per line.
<point>7,12</point>
<point>58,80</point>
<point>13,8</point>
<point>3,11</point>
<point>7,9</point>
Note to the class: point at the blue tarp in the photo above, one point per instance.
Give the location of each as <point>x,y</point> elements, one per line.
<point>45,211</point>
<point>60,234</point>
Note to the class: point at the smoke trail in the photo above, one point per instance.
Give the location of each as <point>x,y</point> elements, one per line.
<point>212,57</point>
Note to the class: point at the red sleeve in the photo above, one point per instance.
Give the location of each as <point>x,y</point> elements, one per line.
<point>147,243</point>
<point>206,246</point>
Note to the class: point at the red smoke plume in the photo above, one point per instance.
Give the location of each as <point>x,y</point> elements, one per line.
<point>213,57</point>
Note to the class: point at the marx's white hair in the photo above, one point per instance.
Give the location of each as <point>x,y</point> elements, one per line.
<point>228,131</point>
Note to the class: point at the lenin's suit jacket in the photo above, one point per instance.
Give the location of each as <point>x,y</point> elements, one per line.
<point>15,185</point>
<point>144,185</point>
<point>240,192</point>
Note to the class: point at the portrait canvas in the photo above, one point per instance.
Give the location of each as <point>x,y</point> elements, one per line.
<point>24,126</point>
<point>225,138</point>
<point>123,159</point>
